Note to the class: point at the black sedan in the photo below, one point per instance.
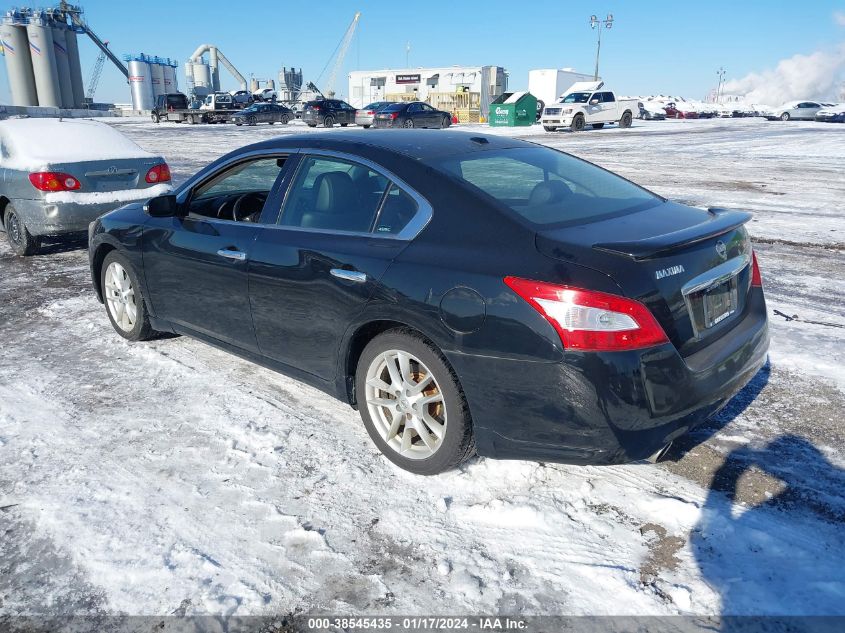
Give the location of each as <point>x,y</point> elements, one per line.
<point>413,114</point>
<point>263,113</point>
<point>467,293</point>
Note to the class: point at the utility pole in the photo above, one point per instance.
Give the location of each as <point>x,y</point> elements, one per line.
<point>598,25</point>
<point>721,72</point>
<point>408,54</point>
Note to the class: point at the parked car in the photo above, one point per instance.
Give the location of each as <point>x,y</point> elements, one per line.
<point>264,94</point>
<point>242,98</point>
<point>651,112</point>
<point>364,116</point>
<point>832,114</point>
<point>57,175</point>
<point>466,292</point>
<point>327,112</point>
<point>680,110</point>
<point>168,103</point>
<point>795,110</point>
<point>263,113</point>
<point>412,114</point>
<point>588,103</point>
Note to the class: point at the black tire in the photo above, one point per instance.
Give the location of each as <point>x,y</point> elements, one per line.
<point>626,119</point>
<point>328,121</point>
<point>458,442</point>
<point>155,117</point>
<point>285,120</point>
<point>343,124</point>
<point>238,123</point>
<point>408,123</point>
<point>577,123</point>
<point>785,116</point>
<point>541,105</point>
<point>598,126</point>
<point>141,331</point>
<point>23,243</point>
<point>548,128</point>
<point>445,122</point>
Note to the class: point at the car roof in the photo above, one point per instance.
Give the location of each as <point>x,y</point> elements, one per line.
<point>417,144</point>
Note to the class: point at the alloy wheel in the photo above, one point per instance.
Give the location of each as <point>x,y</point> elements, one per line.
<point>13,226</point>
<point>406,404</point>
<point>408,123</point>
<point>120,297</point>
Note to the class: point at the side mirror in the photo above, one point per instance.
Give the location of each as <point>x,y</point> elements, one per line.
<point>594,101</point>
<point>162,207</point>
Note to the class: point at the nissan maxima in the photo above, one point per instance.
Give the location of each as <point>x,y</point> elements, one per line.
<point>468,294</point>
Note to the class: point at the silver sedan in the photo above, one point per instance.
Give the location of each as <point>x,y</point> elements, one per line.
<point>364,117</point>
<point>57,175</point>
<point>795,110</point>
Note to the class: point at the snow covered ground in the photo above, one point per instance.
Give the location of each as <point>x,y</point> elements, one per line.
<point>170,477</point>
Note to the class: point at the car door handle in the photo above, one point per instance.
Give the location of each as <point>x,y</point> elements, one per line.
<point>349,275</point>
<point>230,254</point>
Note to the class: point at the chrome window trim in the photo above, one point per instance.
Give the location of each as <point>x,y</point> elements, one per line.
<point>409,232</point>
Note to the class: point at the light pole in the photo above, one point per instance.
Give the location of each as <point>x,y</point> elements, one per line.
<point>721,72</point>
<point>408,54</point>
<point>597,24</point>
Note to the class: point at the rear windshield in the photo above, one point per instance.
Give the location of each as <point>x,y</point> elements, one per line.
<point>547,187</point>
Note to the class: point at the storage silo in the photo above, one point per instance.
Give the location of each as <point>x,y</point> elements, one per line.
<point>157,77</point>
<point>170,83</point>
<point>18,61</point>
<point>62,63</point>
<point>75,69</point>
<point>140,83</point>
<point>40,35</point>
<point>202,78</point>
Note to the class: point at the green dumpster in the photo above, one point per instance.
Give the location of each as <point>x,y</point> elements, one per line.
<point>513,109</point>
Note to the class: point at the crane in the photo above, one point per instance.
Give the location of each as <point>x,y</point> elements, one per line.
<point>96,73</point>
<point>341,54</point>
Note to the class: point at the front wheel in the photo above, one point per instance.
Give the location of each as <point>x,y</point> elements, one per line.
<point>20,239</point>
<point>784,116</point>
<point>577,123</point>
<point>155,117</point>
<point>625,121</point>
<point>251,120</point>
<point>123,298</point>
<point>412,404</point>
<point>328,121</point>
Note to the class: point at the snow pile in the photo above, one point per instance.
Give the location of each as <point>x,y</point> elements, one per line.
<point>103,197</point>
<point>31,144</point>
<point>818,75</point>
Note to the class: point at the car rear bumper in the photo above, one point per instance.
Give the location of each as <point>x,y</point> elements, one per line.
<point>363,120</point>
<point>43,218</point>
<point>384,122</point>
<point>607,408</point>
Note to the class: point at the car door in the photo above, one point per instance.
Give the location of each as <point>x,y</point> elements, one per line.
<point>415,113</point>
<point>343,221</point>
<point>593,108</point>
<point>196,265</point>
<point>608,107</point>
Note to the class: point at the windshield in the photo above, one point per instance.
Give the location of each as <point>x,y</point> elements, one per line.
<point>576,97</point>
<point>547,187</point>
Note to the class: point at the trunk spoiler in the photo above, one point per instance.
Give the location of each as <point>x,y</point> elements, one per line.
<point>720,221</point>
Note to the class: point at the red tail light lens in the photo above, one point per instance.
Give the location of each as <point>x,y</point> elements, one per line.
<point>315,107</point>
<point>53,181</point>
<point>590,321</point>
<point>159,173</point>
<point>394,115</point>
<point>756,277</point>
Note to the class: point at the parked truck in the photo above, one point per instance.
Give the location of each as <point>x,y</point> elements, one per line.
<point>588,103</point>
<point>175,107</point>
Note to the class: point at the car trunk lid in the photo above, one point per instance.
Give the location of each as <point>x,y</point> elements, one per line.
<point>110,175</point>
<point>691,268</point>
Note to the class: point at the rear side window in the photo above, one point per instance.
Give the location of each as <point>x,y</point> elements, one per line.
<point>396,211</point>
<point>546,187</point>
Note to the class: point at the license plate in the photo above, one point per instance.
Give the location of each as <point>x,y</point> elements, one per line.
<point>719,303</point>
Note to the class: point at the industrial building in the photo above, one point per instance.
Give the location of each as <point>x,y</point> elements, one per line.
<point>466,91</point>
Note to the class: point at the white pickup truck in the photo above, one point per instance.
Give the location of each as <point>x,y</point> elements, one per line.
<point>588,103</point>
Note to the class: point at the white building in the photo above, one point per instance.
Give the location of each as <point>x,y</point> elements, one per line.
<point>481,84</point>
<point>548,84</point>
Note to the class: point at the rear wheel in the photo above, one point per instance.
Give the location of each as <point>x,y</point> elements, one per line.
<point>328,121</point>
<point>343,124</point>
<point>409,123</point>
<point>626,119</point>
<point>123,298</point>
<point>155,117</point>
<point>412,404</point>
<point>577,123</point>
<point>20,239</point>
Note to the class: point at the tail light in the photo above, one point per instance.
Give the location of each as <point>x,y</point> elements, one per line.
<point>394,116</point>
<point>590,321</point>
<point>756,277</point>
<point>315,107</point>
<point>371,112</point>
<point>53,181</point>
<point>159,173</point>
